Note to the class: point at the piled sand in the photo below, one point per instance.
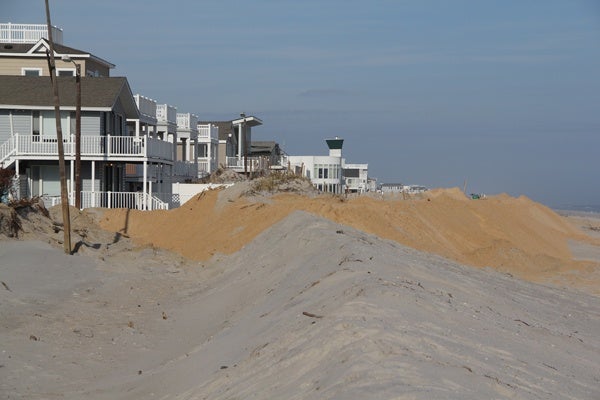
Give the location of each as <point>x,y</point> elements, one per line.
<point>513,235</point>
<point>310,309</point>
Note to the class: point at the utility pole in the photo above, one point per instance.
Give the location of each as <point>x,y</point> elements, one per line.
<point>77,132</point>
<point>64,197</point>
<point>243,115</point>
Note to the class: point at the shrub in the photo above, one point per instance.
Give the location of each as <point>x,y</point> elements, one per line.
<point>6,183</point>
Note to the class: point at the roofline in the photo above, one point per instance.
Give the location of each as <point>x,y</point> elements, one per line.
<point>82,55</point>
<point>50,107</point>
<point>250,120</point>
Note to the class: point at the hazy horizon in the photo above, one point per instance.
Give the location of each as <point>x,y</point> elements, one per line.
<point>502,95</point>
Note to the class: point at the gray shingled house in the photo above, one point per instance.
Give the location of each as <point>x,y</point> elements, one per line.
<point>119,169</point>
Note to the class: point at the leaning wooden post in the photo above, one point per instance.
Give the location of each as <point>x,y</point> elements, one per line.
<point>64,198</point>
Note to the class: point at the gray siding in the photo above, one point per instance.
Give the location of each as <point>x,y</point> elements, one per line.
<point>4,126</point>
<point>90,124</point>
<point>22,122</point>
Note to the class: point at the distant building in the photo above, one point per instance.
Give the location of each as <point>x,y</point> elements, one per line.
<point>330,173</point>
<point>401,188</point>
<point>392,187</point>
<point>356,178</point>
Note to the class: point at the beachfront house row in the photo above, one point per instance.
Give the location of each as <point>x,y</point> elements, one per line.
<point>110,153</point>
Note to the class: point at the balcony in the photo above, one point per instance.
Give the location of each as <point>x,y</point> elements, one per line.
<point>185,170</point>
<point>166,113</point>
<point>92,147</point>
<point>208,131</point>
<point>28,33</point>
<point>187,121</point>
<point>147,108</point>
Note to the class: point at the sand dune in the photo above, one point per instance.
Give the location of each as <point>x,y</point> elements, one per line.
<point>514,235</point>
<point>305,297</point>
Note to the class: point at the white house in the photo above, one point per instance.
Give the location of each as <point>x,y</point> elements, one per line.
<point>325,172</point>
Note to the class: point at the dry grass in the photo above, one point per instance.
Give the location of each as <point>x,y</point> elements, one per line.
<point>281,182</point>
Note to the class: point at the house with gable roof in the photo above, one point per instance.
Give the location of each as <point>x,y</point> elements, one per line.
<point>23,49</point>
<point>125,162</point>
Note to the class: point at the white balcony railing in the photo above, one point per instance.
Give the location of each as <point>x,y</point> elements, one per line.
<point>166,113</point>
<point>146,106</point>
<point>100,146</point>
<point>28,33</point>
<point>208,131</point>
<point>187,121</point>
<point>131,200</point>
<point>251,163</point>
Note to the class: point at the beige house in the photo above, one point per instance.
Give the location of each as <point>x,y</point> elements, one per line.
<point>24,47</point>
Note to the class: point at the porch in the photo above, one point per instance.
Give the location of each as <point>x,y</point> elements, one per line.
<point>110,148</point>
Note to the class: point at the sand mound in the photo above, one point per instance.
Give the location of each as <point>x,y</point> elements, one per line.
<point>310,309</point>
<point>514,235</point>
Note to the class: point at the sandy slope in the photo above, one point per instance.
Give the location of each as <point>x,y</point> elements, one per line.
<point>310,309</point>
<point>514,235</point>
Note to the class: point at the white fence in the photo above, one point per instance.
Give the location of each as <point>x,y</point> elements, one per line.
<point>28,33</point>
<point>104,146</point>
<point>131,200</point>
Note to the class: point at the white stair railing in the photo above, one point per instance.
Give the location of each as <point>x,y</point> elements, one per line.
<point>7,149</point>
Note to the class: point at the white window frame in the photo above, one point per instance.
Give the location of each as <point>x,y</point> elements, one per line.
<point>71,70</point>
<point>25,69</point>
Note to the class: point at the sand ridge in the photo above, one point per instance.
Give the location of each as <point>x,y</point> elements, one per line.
<point>514,235</point>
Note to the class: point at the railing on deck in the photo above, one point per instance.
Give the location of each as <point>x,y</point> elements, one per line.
<point>208,131</point>
<point>187,121</point>
<point>204,166</point>
<point>146,106</point>
<point>28,33</point>
<point>131,200</point>
<point>185,169</point>
<point>101,146</point>
<point>251,163</point>
<point>6,150</point>
<point>166,113</point>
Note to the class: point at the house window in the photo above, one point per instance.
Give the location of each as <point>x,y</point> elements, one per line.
<point>35,125</point>
<point>48,124</point>
<point>65,71</point>
<point>31,71</point>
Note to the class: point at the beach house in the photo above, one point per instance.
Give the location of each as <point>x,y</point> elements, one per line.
<point>128,143</point>
<point>325,172</point>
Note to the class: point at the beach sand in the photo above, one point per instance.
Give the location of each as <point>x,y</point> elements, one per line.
<point>306,297</point>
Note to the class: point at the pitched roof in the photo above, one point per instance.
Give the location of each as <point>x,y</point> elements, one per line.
<point>100,93</point>
<point>38,50</point>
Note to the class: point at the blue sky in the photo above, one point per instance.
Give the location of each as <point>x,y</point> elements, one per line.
<point>504,95</point>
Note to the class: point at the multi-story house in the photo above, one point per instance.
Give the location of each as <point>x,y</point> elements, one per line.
<point>207,149</point>
<point>234,144</point>
<point>325,172</point>
<point>356,179</point>
<point>268,154</point>
<point>330,173</point>
<point>23,49</point>
<point>124,160</point>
